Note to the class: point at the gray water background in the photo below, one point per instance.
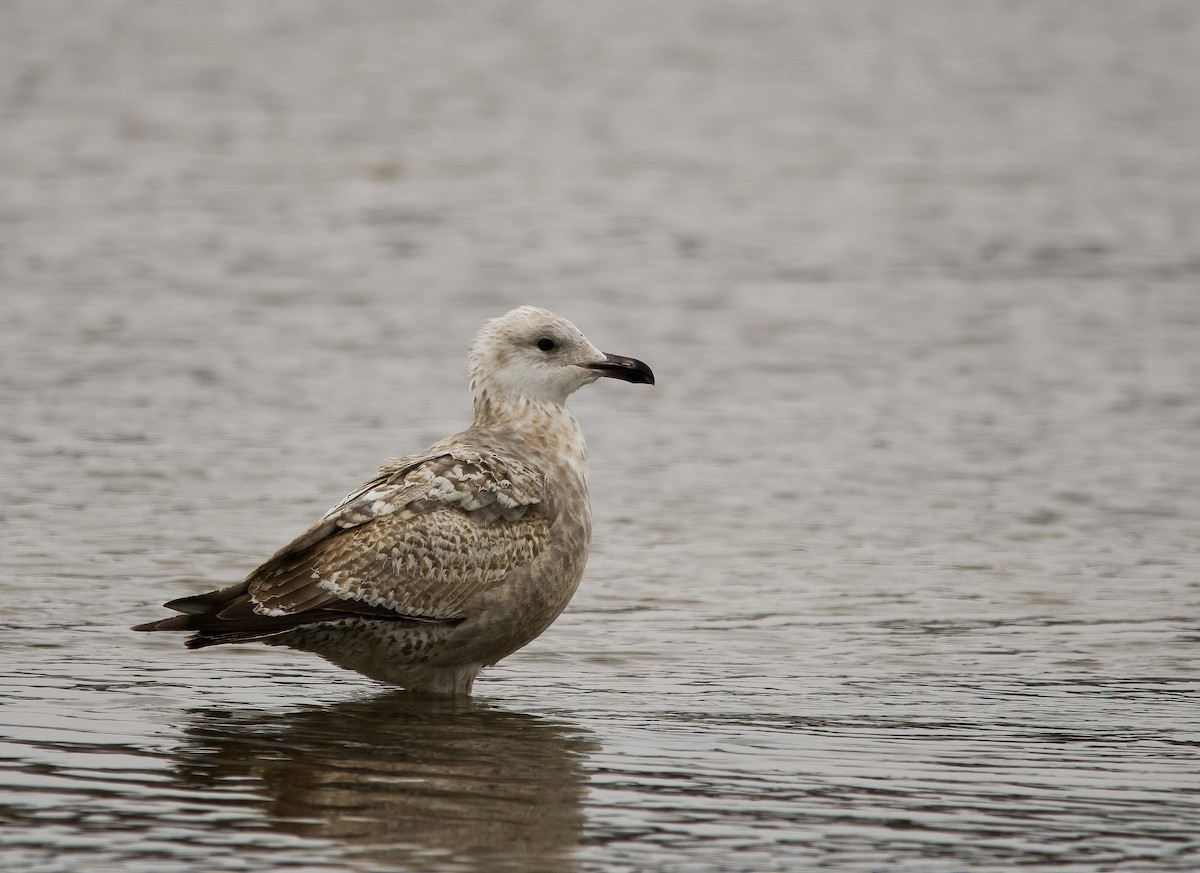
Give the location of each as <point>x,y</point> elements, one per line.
<point>897,568</point>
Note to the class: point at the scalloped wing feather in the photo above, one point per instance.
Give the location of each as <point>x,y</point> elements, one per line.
<point>419,540</point>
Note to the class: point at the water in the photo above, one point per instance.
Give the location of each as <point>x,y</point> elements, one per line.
<point>895,569</point>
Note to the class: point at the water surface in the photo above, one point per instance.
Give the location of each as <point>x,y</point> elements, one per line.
<point>896,568</point>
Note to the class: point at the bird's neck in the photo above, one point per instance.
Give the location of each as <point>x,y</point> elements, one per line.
<point>547,430</point>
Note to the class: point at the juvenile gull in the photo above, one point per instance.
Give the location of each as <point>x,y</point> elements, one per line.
<point>449,560</point>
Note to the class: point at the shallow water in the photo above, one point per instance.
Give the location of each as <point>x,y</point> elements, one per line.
<point>898,567</point>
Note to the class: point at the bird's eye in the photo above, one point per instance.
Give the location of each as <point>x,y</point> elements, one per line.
<point>546,344</point>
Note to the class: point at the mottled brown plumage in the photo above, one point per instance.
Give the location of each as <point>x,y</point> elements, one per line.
<point>447,561</point>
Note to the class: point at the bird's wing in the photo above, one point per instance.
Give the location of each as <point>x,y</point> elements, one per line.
<point>417,541</point>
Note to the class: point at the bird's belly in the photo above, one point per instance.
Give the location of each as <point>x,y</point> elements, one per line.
<point>369,646</point>
<point>515,613</point>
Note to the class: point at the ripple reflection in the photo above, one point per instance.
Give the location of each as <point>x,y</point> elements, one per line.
<point>404,781</point>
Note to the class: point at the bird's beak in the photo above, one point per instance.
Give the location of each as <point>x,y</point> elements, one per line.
<point>618,367</point>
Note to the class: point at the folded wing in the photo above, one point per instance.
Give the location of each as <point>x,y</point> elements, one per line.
<point>416,543</point>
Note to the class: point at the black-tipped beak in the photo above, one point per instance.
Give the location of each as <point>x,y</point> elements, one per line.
<point>618,367</point>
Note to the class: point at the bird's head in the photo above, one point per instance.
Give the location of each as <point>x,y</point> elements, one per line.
<point>534,355</point>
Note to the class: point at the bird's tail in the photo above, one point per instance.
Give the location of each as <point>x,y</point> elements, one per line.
<point>223,616</point>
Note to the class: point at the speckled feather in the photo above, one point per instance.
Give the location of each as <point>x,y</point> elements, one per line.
<point>420,539</point>
<point>447,561</point>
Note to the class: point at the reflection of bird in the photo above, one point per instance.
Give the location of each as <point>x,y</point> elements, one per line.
<point>413,782</point>
<point>450,560</point>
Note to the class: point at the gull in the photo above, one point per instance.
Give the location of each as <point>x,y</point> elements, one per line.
<point>449,560</point>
